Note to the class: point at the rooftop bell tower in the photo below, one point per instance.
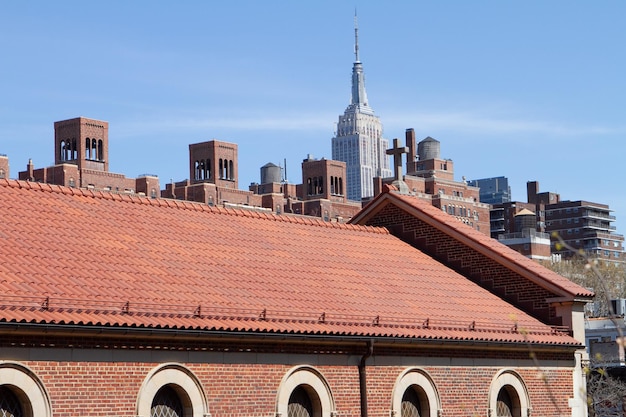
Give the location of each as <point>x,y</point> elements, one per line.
<point>83,142</point>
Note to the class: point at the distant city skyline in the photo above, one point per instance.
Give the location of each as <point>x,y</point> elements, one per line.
<point>529,91</point>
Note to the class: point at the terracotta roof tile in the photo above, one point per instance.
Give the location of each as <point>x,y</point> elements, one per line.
<point>85,256</point>
<point>480,240</point>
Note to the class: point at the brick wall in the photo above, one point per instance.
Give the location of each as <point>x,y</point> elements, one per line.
<point>103,376</point>
<point>111,389</point>
<point>106,180</point>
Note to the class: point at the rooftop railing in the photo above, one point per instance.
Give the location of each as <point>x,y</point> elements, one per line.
<point>524,234</point>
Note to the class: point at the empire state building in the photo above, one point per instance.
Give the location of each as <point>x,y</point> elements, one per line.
<point>359,138</point>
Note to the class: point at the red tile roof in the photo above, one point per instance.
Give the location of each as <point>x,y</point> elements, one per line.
<point>70,256</point>
<point>479,241</point>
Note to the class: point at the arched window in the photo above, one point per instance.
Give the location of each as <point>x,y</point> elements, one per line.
<point>221,168</point>
<point>74,149</point>
<point>231,171</point>
<point>300,404</point>
<point>87,148</point>
<point>166,403</point>
<point>414,403</point>
<point>62,150</point>
<point>100,150</point>
<point>508,396</point>
<point>415,395</point>
<point>340,186</point>
<point>94,149</point>
<point>303,392</point>
<point>209,173</point>
<point>320,189</point>
<point>171,390</point>
<point>2,173</point>
<point>10,405</point>
<point>505,405</point>
<point>309,185</point>
<point>21,392</point>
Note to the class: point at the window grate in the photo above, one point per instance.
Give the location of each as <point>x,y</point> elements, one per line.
<point>410,404</point>
<point>9,404</point>
<point>504,404</point>
<point>299,403</point>
<point>166,404</point>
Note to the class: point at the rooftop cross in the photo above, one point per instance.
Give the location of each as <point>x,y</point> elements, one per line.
<point>397,152</point>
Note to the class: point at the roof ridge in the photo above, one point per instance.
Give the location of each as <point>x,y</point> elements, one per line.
<point>188,205</point>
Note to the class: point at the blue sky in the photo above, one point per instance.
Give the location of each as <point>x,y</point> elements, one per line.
<point>532,90</point>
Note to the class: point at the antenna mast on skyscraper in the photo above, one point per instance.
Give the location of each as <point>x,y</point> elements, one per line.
<point>356,37</point>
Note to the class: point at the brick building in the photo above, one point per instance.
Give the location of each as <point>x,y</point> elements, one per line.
<point>525,238</point>
<point>81,160</point>
<point>123,305</point>
<point>213,177</point>
<point>584,225</point>
<point>581,225</point>
<point>431,178</point>
<point>321,194</point>
<point>213,180</point>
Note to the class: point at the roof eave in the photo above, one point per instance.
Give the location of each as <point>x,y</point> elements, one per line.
<point>149,334</point>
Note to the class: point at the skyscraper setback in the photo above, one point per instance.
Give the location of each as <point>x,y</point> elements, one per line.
<point>359,138</point>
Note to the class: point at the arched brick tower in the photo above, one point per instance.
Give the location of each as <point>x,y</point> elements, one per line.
<point>82,141</point>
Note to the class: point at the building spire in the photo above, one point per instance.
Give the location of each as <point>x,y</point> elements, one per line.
<point>359,97</point>
<point>356,38</point>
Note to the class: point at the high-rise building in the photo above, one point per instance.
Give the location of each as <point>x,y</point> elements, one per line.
<point>581,225</point>
<point>493,190</point>
<point>359,138</point>
<point>571,226</point>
